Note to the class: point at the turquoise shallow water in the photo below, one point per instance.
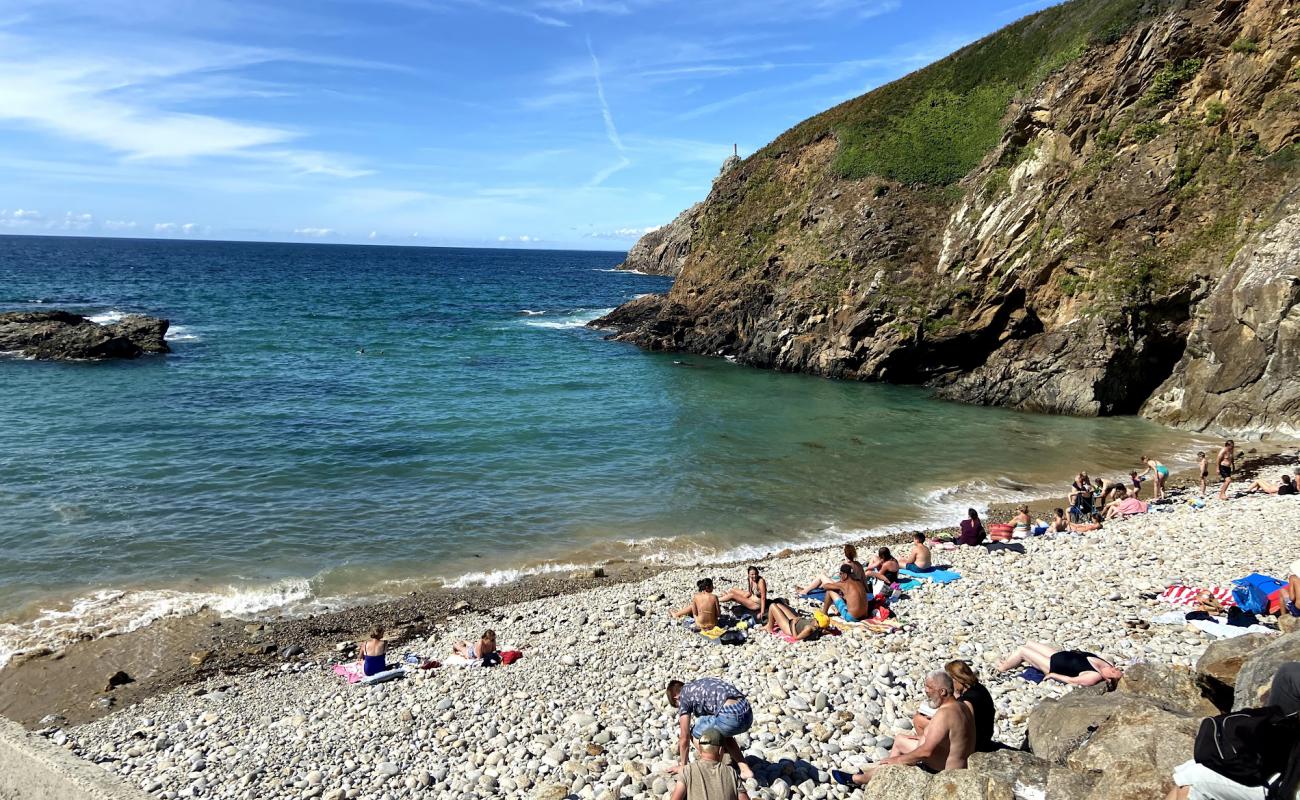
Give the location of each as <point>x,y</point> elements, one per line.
<point>483,431</point>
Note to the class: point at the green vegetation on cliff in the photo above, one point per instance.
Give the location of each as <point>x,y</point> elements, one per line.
<point>934,125</point>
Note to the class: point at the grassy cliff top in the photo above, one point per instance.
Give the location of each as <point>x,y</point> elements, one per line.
<point>934,125</point>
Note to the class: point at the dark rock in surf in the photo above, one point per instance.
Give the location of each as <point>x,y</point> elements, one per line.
<point>63,336</point>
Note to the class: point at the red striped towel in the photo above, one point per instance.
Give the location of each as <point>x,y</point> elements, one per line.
<point>1186,595</point>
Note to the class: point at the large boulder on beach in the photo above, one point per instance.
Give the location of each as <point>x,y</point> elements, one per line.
<point>1171,687</point>
<point>1135,752</point>
<point>1027,774</point>
<point>1257,672</point>
<point>1059,726</point>
<point>63,336</point>
<point>1219,665</point>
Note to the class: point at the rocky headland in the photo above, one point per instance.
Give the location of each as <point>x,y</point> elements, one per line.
<point>64,336</point>
<point>1093,211</point>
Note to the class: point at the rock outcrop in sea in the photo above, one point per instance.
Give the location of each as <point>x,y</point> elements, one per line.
<point>1093,211</point>
<point>63,336</point>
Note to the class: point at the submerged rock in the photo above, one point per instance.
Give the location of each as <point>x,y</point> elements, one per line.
<point>63,336</point>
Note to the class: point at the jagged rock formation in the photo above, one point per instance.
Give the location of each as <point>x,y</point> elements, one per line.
<point>62,336</point>
<point>1088,212</point>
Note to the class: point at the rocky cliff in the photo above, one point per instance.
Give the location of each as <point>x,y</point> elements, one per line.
<point>1092,211</point>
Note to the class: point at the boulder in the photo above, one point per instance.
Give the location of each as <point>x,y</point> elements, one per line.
<point>1058,727</point>
<point>1218,666</point>
<point>899,783</point>
<point>1028,775</point>
<point>1170,687</point>
<point>62,336</point>
<point>1135,752</point>
<point>1257,672</point>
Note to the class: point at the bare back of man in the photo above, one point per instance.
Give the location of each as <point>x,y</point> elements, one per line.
<point>853,594</point>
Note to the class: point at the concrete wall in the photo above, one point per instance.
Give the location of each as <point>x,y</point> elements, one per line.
<point>32,768</point>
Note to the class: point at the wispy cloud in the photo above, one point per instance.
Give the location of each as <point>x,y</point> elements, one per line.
<point>611,130</point>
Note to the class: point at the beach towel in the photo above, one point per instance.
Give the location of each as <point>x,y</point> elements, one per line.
<point>351,672</point>
<point>934,575</point>
<point>1033,675</point>
<point>911,584</point>
<point>1186,595</point>
<point>1222,630</point>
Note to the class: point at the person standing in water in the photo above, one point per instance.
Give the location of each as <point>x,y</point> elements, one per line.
<point>1226,460</point>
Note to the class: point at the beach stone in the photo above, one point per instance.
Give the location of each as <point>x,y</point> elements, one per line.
<point>1220,663</point>
<point>387,769</point>
<point>1136,751</point>
<point>315,778</point>
<point>460,607</point>
<point>1257,672</point>
<point>899,783</point>
<point>1171,687</point>
<point>1059,726</point>
<point>116,679</point>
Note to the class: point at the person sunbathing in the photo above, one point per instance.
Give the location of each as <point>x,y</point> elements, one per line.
<point>374,653</point>
<point>783,618</point>
<point>971,531</point>
<point>920,557</point>
<point>1021,523</point>
<point>1060,523</point>
<point>754,597</point>
<point>1075,667</point>
<point>1288,597</point>
<point>882,572</point>
<point>850,558</point>
<point>1093,524</point>
<point>704,608</point>
<point>847,595</point>
<point>486,646</point>
<point>947,743</point>
<point>975,695</point>
<point>1286,487</point>
<point>1127,507</point>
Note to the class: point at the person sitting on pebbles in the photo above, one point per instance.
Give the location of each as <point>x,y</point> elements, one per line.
<point>753,597</point>
<point>975,695</point>
<point>1286,487</point>
<point>1076,667</point>
<point>882,572</point>
<point>486,647</point>
<point>781,617</point>
<point>707,778</point>
<point>848,596</point>
<point>1092,524</point>
<point>947,743</point>
<point>920,559</point>
<point>717,705</point>
<point>704,609</point>
<point>850,558</point>
<point>1127,507</point>
<point>374,653</point>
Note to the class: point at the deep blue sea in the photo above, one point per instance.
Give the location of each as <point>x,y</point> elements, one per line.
<point>348,421</point>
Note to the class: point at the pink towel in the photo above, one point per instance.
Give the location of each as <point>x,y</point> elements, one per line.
<point>351,672</point>
<point>1186,595</point>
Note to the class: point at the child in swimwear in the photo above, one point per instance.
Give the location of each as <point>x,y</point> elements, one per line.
<point>1204,465</point>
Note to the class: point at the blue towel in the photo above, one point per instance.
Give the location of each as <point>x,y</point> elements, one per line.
<point>909,586</point>
<point>936,575</point>
<point>1033,675</point>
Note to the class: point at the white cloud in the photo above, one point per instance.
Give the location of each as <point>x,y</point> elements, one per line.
<point>623,233</point>
<point>118,225</point>
<point>175,229</point>
<point>373,234</point>
<point>316,232</point>
<point>76,222</point>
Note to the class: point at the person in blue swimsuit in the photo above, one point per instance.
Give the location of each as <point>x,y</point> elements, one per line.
<point>374,653</point>
<point>1162,475</point>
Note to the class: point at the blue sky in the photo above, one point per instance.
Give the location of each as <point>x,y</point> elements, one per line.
<point>527,123</point>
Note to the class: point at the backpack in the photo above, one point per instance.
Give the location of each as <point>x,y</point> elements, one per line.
<point>1246,746</point>
<point>732,636</point>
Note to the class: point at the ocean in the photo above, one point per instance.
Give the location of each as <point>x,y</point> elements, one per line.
<point>339,423</point>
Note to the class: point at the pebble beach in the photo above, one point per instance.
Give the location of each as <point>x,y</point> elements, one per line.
<point>583,714</point>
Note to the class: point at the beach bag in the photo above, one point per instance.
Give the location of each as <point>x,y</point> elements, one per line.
<point>1000,532</point>
<point>1242,745</point>
<point>1251,592</point>
<point>732,637</point>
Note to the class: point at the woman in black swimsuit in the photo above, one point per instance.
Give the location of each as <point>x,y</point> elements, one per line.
<point>1076,667</point>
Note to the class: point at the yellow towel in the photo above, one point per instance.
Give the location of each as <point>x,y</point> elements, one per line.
<point>713,632</point>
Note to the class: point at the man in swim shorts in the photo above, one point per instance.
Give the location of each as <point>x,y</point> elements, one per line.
<point>704,608</point>
<point>716,705</point>
<point>919,559</point>
<point>1226,460</point>
<point>847,595</point>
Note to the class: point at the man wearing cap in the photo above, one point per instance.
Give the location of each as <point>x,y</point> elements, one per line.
<point>707,778</point>
<point>716,705</point>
